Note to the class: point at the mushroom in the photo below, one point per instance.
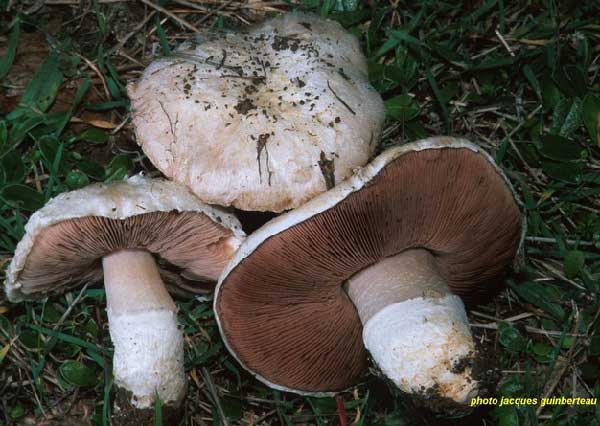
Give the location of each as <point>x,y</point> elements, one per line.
<point>119,231</point>
<point>262,119</point>
<point>376,265</point>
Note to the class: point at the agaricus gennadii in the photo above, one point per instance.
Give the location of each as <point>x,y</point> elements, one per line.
<point>117,230</point>
<point>262,119</point>
<point>375,265</point>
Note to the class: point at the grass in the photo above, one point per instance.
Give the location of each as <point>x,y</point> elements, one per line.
<point>521,78</point>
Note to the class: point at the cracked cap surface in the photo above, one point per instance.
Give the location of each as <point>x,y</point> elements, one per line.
<point>263,119</point>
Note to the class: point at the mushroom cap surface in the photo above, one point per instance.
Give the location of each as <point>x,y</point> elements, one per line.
<point>65,241</point>
<point>280,304</point>
<point>263,119</point>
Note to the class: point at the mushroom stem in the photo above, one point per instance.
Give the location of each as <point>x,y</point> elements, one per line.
<point>416,331</point>
<point>142,317</point>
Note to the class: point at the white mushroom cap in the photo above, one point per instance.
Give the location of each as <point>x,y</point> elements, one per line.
<point>334,42</point>
<point>260,120</point>
<point>118,200</point>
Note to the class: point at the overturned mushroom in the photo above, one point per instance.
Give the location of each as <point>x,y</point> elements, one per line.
<point>263,119</point>
<point>119,231</point>
<point>376,264</point>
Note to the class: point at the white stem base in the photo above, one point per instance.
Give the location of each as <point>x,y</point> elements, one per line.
<point>142,319</point>
<point>417,342</point>
<point>148,356</point>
